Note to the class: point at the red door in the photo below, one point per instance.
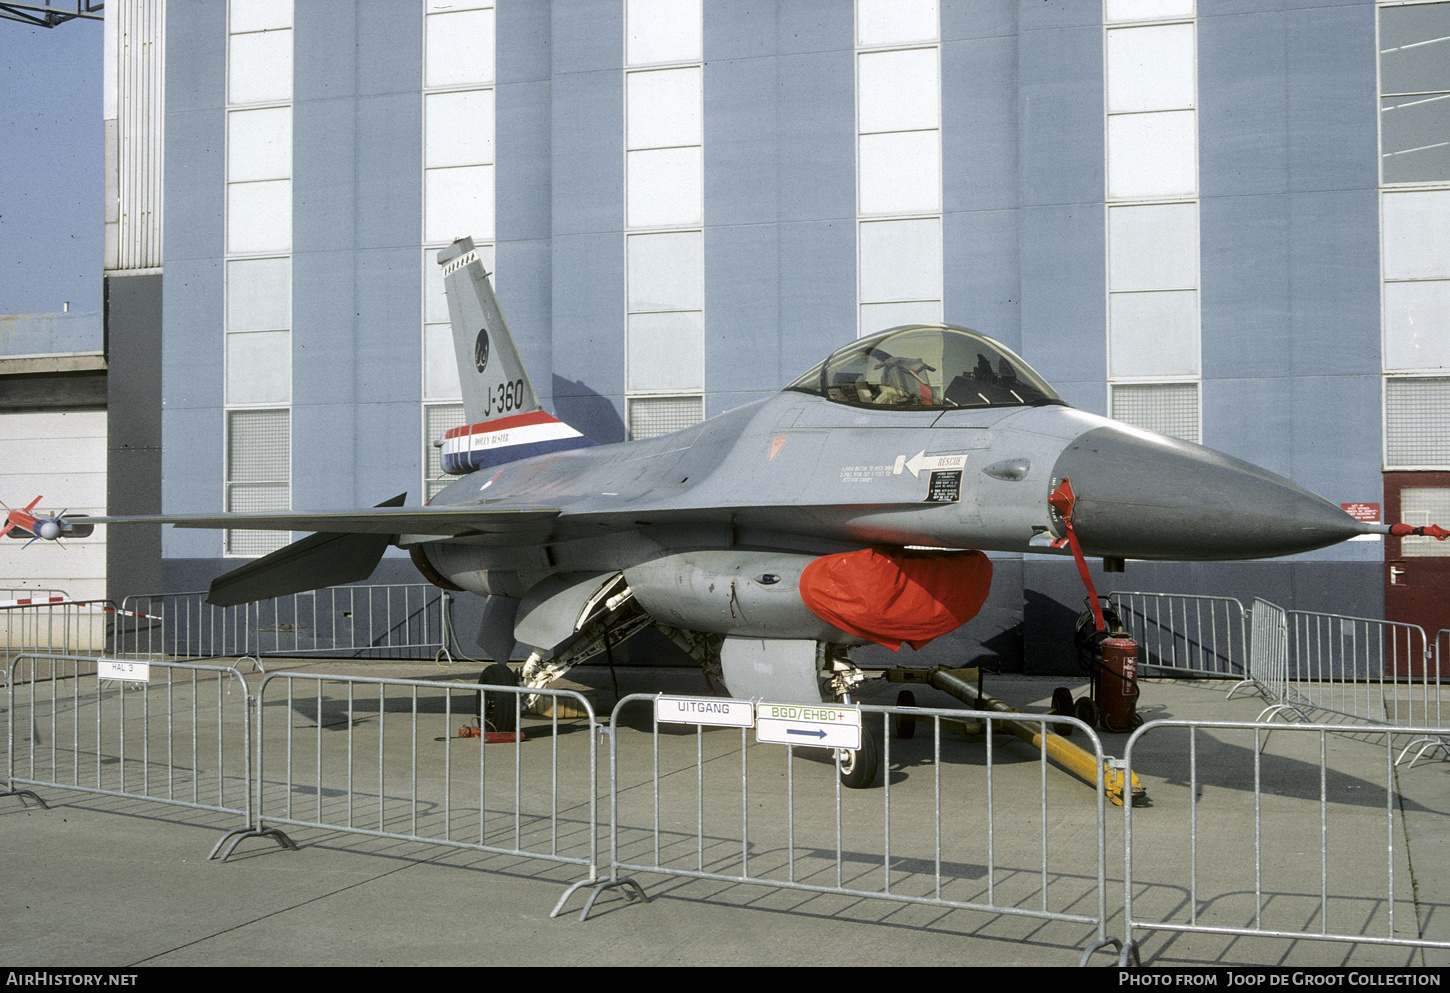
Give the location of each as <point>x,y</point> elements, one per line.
<point>1417,570</point>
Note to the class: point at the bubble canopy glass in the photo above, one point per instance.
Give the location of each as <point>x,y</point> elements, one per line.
<point>931,366</point>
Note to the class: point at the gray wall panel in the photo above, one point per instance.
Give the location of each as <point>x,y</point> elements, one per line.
<point>526,55</point>
<point>525,295</point>
<point>389,170</point>
<point>814,26</point>
<point>588,152</point>
<point>742,311</point>
<point>742,153</point>
<point>588,310</point>
<point>588,36</point>
<point>1064,333</point>
<point>983,279</point>
<point>817,124</point>
<point>1061,113</point>
<point>523,177</point>
<point>196,63</point>
<point>195,185</point>
<point>817,291</point>
<point>1333,114</point>
<point>980,134</point>
<point>962,19</point>
<point>1243,105</point>
<point>1245,286</point>
<point>1334,298</point>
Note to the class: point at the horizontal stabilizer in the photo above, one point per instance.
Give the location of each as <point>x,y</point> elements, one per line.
<point>314,562</point>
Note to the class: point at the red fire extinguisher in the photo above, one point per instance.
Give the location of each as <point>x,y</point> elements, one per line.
<point>1116,683</point>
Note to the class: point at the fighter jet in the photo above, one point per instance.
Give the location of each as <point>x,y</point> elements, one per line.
<point>855,506</point>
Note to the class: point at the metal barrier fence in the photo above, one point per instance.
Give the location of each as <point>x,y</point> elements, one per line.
<point>1185,635</point>
<point>997,833</point>
<point>1003,837</point>
<point>1377,671</point>
<point>385,758</point>
<point>1303,663</point>
<point>182,736</point>
<point>1268,668</point>
<point>1255,868</point>
<point>386,621</point>
<point>49,621</point>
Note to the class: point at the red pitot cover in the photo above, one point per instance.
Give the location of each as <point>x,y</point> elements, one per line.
<point>891,597</point>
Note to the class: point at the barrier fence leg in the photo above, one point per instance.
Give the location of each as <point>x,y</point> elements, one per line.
<point>26,793</point>
<point>632,891</point>
<point>231,839</point>
<point>253,780</point>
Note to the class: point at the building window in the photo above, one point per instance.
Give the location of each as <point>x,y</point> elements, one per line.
<point>663,214</point>
<point>1417,422</point>
<point>1414,82</point>
<point>1168,408</point>
<point>1415,93</point>
<point>898,164</point>
<point>438,419</point>
<point>257,327</point>
<point>1154,350</point>
<point>459,63</point>
<point>259,460</point>
<point>652,416</point>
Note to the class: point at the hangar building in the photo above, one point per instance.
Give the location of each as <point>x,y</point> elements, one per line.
<point>1229,222</point>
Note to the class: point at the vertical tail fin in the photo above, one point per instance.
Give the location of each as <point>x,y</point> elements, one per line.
<point>505,420</point>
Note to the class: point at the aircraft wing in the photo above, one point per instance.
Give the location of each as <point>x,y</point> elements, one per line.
<point>443,521</point>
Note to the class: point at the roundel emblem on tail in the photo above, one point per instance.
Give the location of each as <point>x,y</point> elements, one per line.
<point>480,350</point>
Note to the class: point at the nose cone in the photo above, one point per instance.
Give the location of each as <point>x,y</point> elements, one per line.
<point>1146,496</point>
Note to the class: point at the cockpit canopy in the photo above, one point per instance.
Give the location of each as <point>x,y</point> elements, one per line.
<point>931,366</point>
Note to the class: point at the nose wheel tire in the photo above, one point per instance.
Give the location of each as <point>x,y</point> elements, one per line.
<point>858,768</point>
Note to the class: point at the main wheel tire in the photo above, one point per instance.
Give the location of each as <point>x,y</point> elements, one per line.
<point>858,768</point>
<point>904,725</point>
<point>499,711</point>
<point>1062,704</point>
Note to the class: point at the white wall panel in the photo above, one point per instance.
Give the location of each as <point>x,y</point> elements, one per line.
<point>663,108</point>
<point>663,31</point>
<point>259,294</point>
<point>459,47</point>
<point>1154,335</point>
<point>259,67</point>
<point>1152,155</point>
<point>665,188</point>
<point>896,22</point>
<point>459,126</point>
<point>1153,247</point>
<point>1417,235</point>
<point>1417,326</point>
<point>259,217</point>
<point>458,202</point>
<point>899,91</point>
<point>60,456</point>
<point>1151,68</point>
<point>259,144</point>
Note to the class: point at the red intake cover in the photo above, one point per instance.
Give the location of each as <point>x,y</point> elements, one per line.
<point>891,597</point>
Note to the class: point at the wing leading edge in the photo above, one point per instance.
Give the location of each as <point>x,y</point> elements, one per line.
<point>441,521</point>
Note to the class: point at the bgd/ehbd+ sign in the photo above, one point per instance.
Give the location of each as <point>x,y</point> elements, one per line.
<point>808,724</point>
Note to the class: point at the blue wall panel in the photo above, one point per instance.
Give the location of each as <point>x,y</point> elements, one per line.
<point>193,293</point>
<point>588,333</point>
